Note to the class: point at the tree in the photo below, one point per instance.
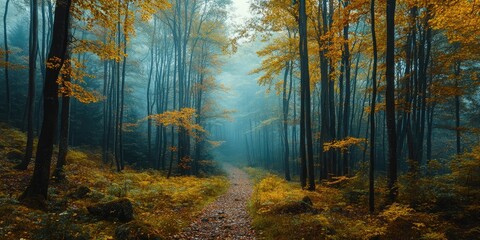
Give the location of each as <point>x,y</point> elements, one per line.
<point>390,101</point>
<point>7,81</point>
<point>36,192</point>
<point>371,171</point>
<point>305,90</point>
<point>58,173</point>
<point>32,66</point>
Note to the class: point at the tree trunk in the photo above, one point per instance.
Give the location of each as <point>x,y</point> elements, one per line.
<point>305,80</point>
<point>36,192</point>
<point>390,102</point>
<point>371,172</point>
<point>32,66</point>
<point>346,108</point>
<point>285,103</point>
<point>58,173</point>
<point>457,110</point>
<point>7,81</point>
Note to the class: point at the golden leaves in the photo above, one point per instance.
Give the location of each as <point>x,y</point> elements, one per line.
<point>344,144</point>
<point>70,80</point>
<point>183,118</point>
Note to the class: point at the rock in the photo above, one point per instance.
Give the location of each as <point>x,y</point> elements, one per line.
<point>307,201</point>
<point>15,155</point>
<point>120,209</point>
<point>80,192</point>
<point>297,207</point>
<point>136,230</point>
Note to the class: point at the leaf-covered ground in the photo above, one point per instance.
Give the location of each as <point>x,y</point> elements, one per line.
<point>164,205</point>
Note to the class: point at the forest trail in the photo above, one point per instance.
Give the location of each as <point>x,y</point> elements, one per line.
<point>227,217</point>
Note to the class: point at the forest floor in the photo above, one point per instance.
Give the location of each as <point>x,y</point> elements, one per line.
<point>161,207</point>
<point>227,217</point>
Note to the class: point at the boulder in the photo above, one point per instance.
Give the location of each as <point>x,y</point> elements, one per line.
<point>80,192</point>
<point>120,209</point>
<point>14,155</point>
<point>136,230</point>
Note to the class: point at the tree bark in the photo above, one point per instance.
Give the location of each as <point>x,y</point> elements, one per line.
<point>390,102</point>
<point>32,66</point>
<point>36,192</point>
<point>305,81</point>
<point>7,81</point>
<point>371,172</point>
<point>285,103</point>
<point>59,173</point>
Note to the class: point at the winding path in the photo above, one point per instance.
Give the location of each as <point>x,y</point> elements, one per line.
<point>227,217</point>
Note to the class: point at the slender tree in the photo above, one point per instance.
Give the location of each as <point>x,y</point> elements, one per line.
<point>32,66</point>
<point>371,172</point>
<point>286,103</point>
<point>36,192</point>
<point>7,80</point>
<point>58,173</point>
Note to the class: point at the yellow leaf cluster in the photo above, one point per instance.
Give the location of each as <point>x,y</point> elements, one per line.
<point>343,144</point>
<point>183,118</point>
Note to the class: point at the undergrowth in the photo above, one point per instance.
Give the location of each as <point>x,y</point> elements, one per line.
<point>442,203</point>
<point>167,205</point>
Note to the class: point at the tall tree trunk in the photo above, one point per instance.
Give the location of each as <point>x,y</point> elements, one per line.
<point>36,192</point>
<point>457,110</point>
<point>346,108</point>
<point>32,66</point>
<point>149,121</point>
<point>371,172</point>
<point>122,93</point>
<point>58,173</point>
<point>390,102</point>
<point>285,103</point>
<point>305,80</point>
<point>7,54</point>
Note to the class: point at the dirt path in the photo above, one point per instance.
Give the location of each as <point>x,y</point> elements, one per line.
<point>227,217</point>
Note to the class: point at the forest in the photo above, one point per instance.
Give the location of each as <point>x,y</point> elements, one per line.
<point>239,119</point>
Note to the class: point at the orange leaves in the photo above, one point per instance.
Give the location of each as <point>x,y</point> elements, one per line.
<point>71,77</point>
<point>104,50</point>
<point>460,20</point>
<point>344,144</point>
<point>183,118</point>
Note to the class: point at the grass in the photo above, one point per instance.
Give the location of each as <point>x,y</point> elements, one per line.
<point>167,205</point>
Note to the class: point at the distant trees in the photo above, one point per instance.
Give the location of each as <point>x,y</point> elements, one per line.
<point>411,52</point>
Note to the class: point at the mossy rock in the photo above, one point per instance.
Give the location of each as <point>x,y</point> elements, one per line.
<point>62,228</point>
<point>120,209</point>
<point>80,192</point>
<point>136,230</point>
<point>15,155</point>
